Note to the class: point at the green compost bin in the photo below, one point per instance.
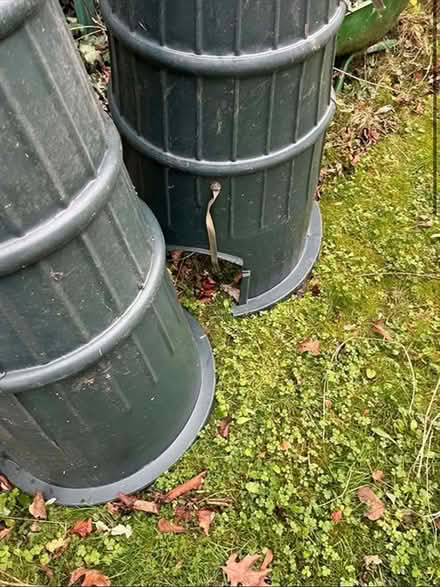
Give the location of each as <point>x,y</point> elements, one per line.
<point>104,382</point>
<point>233,94</point>
<point>364,25</point>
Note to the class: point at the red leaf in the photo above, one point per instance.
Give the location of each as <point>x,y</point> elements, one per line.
<point>223,427</point>
<point>37,508</point>
<point>183,514</point>
<point>89,578</point>
<point>242,572</point>
<point>150,507</point>
<point>5,484</point>
<point>309,346</point>
<point>337,516</point>
<point>193,484</point>
<point>127,500</point>
<point>205,518</point>
<point>167,527</point>
<point>378,476</point>
<point>82,528</point>
<point>376,507</point>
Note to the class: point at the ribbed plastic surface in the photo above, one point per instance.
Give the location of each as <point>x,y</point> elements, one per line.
<point>236,92</point>
<point>103,383</point>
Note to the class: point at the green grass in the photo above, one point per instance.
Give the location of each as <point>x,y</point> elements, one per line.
<point>341,424</point>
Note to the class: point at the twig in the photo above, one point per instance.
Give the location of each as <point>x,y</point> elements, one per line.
<point>16,582</point>
<point>359,79</point>
<point>382,273</point>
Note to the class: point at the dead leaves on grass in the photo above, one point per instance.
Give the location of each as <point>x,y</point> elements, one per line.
<point>5,484</point>
<point>88,578</point>
<point>37,509</point>
<point>205,518</point>
<point>167,527</point>
<point>223,427</point>
<point>243,573</point>
<point>379,328</point>
<point>192,485</point>
<point>309,346</point>
<point>376,508</point>
<point>82,528</point>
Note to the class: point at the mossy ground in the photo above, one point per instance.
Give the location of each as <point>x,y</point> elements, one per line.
<point>356,408</point>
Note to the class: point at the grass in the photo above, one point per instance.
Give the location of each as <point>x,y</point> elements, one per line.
<point>362,405</point>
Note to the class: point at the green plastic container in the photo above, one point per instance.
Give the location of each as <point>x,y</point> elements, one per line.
<point>364,26</point>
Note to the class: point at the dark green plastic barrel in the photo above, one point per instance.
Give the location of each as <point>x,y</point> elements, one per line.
<point>104,383</point>
<point>235,92</point>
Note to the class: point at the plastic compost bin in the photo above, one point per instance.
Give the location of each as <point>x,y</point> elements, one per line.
<point>237,93</point>
<point>104,382</point>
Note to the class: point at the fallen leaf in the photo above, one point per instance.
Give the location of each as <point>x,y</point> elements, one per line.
<point>88,578</point>
<point>372,561</point>
<point>5,484</point>
<point>183,514</point>
<point>223,427</point>
<point>376,507</point>
<point>379,327</point>
<point>127,501</point>
<point>437,524</point>
<point>233,292</point>
<point>378,476</point>
<point>121,530</point>
<point>284,445</point>
<point>82,528</point>
<point>242,572</point>
<point>193,484</point>
<point>4,533</point>
<point>112,509</point>
<point>37,508</point>
<point>167,527</point>
<point>205,518</point>
<point>150,507</point>
<point>35,526</point>
<point>315,288</point>
<point>328,404</point>
<point>309,346</point>
<point>337,516</point>
<point>176,256</point>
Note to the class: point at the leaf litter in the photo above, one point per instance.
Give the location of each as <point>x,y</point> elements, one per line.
<point>88,578</point>
<point>243,573</point>
<point>376,508</point>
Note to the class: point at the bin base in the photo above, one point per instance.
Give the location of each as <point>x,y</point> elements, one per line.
<point>145,476</point>
<point>289,284</point>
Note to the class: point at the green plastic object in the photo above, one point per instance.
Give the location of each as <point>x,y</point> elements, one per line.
<point>365,25</point>
<point>85,11</point>
<point>104,381</point>
<point>229,100</point>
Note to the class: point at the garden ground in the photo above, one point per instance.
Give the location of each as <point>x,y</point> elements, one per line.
<point>330,392</point>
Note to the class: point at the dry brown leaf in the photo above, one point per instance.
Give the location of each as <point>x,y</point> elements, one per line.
<point>183,514</point>
<point>242,572</point>
<point>82,528</point>
<point>89,578</point>
<point>284,445</point>
<point>150,507</point>
<point>205,517</point>
<point>337,516</point>
<point>378,476</point>
<point>309,346</point>
<point>233,292</point>
<point>167,527</point>
<point>379,327</point>
<point>127,501</point>
<point>376,507</point>
<point>5,484</point>
<point>37,509</point>
<point>4,533</point>
<point>193,484</point>
<point>223,427</point>
<point>112,509</point>
<point>35,526</point>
